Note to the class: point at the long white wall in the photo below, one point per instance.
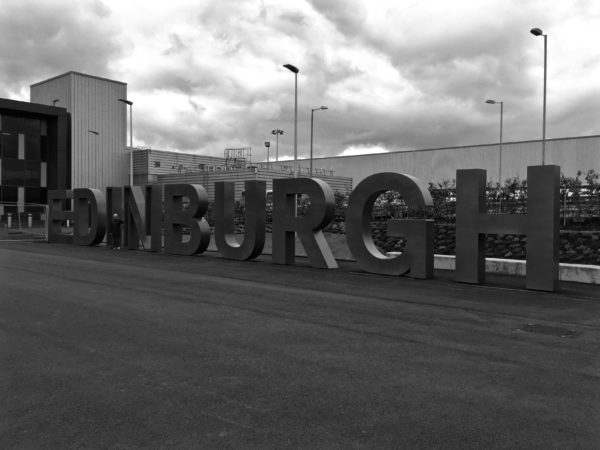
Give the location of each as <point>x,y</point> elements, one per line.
<point>571,154</point>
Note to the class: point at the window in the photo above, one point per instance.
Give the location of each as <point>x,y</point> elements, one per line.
<point>10,144</point>
<point>32,147</point>
<point>33,173</point>
<point>201,166</point>
<point>13,172</point>
<point>35,195</point>
<point>11,124</point>
<point>10,194</point>
<point>156,163</point>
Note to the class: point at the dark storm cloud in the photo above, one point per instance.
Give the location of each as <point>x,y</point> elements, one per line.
<point>43,39</point>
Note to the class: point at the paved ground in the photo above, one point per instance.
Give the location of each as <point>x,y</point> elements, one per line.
<point>107,349</point>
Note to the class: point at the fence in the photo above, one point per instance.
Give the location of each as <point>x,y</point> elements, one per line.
<point>20,221</point>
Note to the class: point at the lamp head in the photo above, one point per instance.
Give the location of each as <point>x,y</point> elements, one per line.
<point>536,32</point>
<point>491,102</point>
<point>291,68</point>
<point>129,102</point>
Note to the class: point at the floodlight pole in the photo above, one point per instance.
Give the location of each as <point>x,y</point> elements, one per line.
<point>295,70</point>
<point>539,32</point>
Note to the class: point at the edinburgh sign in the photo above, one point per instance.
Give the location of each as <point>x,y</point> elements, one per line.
<point>155,214</point>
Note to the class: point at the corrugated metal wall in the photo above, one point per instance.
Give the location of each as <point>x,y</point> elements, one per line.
<point>98,160</point>
<point>571,154</point>
<point>208,180</point>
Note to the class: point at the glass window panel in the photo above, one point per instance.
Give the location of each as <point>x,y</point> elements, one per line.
<point>31,126</point>
<point>33,173</point>
<point>13,172</point>
<point>33,195</point>
<point>12,124</point>
<point>10,194</point>
<point>10,145</point>
<point>32,147</point>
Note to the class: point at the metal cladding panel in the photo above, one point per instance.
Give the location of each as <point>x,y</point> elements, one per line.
<point>161,162</point>
<point>55,89</point>
<point>239,177</point>
<point>571,154</point>
<point>97,160</point>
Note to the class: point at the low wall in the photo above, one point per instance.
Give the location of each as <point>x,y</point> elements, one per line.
<point>576,247</point>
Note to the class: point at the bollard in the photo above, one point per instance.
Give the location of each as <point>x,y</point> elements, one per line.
<point>29,220</point>
<point>9,220</point>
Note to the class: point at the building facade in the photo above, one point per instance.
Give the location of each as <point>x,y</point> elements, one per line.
<point>98,134</point>
<point>34,154</point>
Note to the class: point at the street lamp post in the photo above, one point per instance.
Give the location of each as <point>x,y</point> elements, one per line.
<point>539,32</point>
<point>267,144</point>
<point>312,112</point>
<point>494,102</point>
<point>130,103</point>
<point>295,70</point>
<point>277,132</point>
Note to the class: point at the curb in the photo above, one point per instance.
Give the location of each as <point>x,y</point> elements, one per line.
<point>578,273</point>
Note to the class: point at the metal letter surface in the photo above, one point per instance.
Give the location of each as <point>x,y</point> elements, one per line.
<point>142,217</point>
<point>255,220</point>
<point>90,213</point>
<point>286,223</point>
<point>418,255</point>
<point>57,215</point>
<point>176,217</point>
<point>540,224</point>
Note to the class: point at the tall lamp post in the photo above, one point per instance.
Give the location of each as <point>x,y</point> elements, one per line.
<point>130,103</point>
<point>495,102</point>
<point>312,113</point>
<point>267,144</point>
<point>295,70</point>
<point>277,132</point>
<point>539,32</point>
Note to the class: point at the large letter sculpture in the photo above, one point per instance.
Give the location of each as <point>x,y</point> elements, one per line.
<point>90,216</point>
<point>255,219</point>
<point>418,253</point>
<point>286,223</point>
<point>142,217</point>
<point>176,217</point>
<point>540,224</point>
<point>57,215</point>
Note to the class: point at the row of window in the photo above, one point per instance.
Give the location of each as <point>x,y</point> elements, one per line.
<point>23,146</point>
<point>24,125</point>
<point>200,167</point>
<point>18,172</point>
<point>10,194</point>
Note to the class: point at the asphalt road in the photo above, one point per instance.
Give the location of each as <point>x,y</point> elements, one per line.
<point>126,349</point>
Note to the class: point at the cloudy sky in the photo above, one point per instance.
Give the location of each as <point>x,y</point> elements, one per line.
<point>395,74</point>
